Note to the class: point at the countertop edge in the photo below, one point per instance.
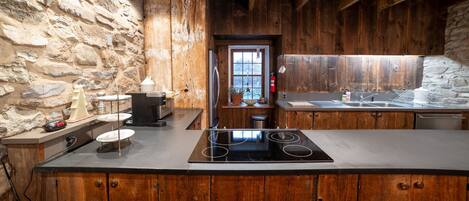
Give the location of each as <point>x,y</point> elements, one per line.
<point>256,172</point>
<point>377,109</point>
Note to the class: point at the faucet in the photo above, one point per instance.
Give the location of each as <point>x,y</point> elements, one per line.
<point>362,98</point>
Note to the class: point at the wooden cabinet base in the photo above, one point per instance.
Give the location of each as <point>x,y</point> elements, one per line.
<point>322,187</point>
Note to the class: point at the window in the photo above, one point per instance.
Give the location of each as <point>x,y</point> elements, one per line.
<point>248,71</point>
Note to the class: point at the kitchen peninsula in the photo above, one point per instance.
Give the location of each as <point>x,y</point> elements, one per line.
<point>403,163</point>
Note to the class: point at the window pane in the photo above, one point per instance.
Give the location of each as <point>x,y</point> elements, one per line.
<point>247,57</point>
<point>257,58</point>
<point>247,95</point>
<point>238,81</point>
<point>247,70</point>
<point>257,69</point>
<point>256,93</point>
<point>238,69</point>
<point>257,81</point>
<point>247,81</point>
<point>237,57</point>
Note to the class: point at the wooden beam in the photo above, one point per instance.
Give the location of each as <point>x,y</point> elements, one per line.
<point>252,3</point>
<point>385,4</point>
<point>300,3</point>
<point>346,3</point>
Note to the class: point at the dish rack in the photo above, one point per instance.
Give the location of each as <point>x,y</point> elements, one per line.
<point>115,135</point>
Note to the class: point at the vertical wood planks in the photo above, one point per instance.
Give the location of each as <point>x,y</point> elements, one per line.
<point>235,188</point>
<point>331,73</point>
<point>189,54</point>
<point>157,27</point>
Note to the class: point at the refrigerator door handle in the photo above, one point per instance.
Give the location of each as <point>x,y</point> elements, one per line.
<point>218,86</point>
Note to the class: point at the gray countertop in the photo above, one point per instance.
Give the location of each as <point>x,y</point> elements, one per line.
<point>166,150</point>
<point>405,107</point>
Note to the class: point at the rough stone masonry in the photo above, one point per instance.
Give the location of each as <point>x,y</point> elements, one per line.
<point>447,77</point>
<point>47,46</point>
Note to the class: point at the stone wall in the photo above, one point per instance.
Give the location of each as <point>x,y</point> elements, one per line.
<point>47,46</point>
<point>447,77</point>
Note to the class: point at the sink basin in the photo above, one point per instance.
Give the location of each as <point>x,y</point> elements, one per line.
<point>386,105</point>
<point>372,104</point>
<point>359,105</point>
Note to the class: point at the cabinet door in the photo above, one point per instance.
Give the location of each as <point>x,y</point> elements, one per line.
<point>326,120</point>
<point>384,188</point>
<point>336,187</point>
<point>123,187</point>
<point>438,188</point>
<point>357,120</point>
<point>291,188</point>
<point>184,188</point>
<point>301,120</point>
<point>236,188</point>
<point>81,187</point>
<point>395,120</point>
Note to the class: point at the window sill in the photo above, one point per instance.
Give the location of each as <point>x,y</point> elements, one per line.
<point>245,106</point>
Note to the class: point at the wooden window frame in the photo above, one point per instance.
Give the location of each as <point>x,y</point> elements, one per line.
<point>263,74</point>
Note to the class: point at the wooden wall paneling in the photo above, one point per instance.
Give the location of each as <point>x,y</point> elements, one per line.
<point>125,186</point>
<point>425,17</point>
<point>184,188</point>
<point>234,18</point>
<point>378,187</point>
<point>331,63</point>
<point>288,28</point>
<point>189,54</point>
<point>338,187</point>
<point>22,159</point>
<point>433,187</point>
<point>384,4</point>
<point>350,27</point>
<point>157,24</point>
<point>395,32</point>
<point>235,188</point>
<point>81,186</point>
<point>291,188</point>
<point>395,120</point>
<point>344,4</point>
<point>300,3</point>
<point>221,14</point>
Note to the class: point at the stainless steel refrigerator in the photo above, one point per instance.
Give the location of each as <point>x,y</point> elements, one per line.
<point>214,89</point>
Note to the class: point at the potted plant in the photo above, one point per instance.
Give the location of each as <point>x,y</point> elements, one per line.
<point>236,96</point>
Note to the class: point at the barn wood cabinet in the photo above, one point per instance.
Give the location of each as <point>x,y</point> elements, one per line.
<point>412,188</point>
<point>322,187</point>
<point>345,120</point>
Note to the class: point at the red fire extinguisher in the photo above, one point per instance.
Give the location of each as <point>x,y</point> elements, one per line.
<point>272,82</point>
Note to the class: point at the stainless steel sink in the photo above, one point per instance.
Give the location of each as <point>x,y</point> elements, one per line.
<point>386,104</point>
<point>373,104</point>
<point>357,104</point>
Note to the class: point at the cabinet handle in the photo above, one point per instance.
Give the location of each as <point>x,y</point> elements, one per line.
<point>373,114</point>
<point>98,183</point>
<point>404,186</point>
<point>419,184</point>
<point>114,183</point>
<point>316,115</point>
<point>379,114</point>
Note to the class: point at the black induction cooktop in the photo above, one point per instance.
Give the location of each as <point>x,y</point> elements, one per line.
<point>261,146</point>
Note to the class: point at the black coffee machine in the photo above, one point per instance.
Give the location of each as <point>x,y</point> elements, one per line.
<point>149,108</point>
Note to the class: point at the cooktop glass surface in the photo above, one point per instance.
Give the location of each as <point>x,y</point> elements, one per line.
<point>246,146</point>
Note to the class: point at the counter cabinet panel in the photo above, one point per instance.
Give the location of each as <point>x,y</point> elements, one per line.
<point>412,188</point>
<point>345,120</point>
<point>323,187</point>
